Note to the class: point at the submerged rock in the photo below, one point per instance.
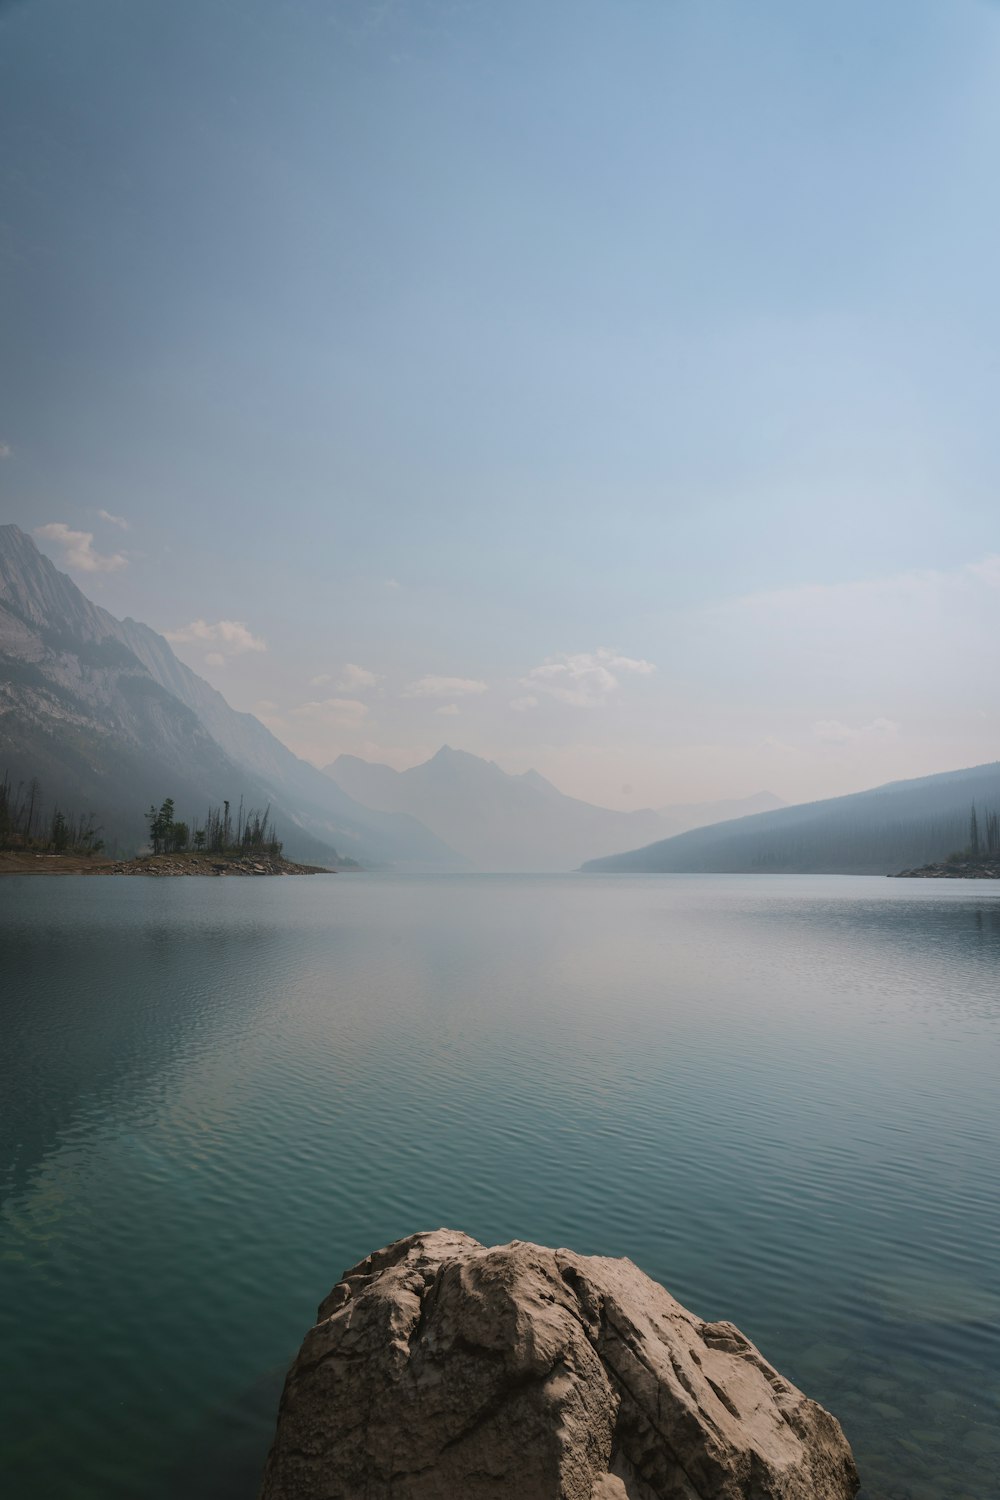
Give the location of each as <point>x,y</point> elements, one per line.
<point>441,1370</point>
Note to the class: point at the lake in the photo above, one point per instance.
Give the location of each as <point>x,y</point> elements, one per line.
<point>778,1095</point>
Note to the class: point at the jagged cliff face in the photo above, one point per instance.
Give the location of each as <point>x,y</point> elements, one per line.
<point>108,718</point>
<point>35,592</point>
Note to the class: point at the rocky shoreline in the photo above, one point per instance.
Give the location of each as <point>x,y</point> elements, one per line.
<point>958,869</point>
<point>439,1369</point>
<point>162,865</point>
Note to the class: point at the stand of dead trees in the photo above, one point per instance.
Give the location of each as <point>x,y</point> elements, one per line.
<point>984,835</point>
<point>251,832</point>
<point>26,823</point>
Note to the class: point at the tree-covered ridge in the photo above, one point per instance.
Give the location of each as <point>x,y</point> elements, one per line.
<point>27,823</point>
<point>903,825</point>
<point>253,832</point>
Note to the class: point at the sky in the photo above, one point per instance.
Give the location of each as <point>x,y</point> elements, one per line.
<point>605,386</point>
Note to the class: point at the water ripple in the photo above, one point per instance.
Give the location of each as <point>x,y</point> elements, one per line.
<point>778,1096</point>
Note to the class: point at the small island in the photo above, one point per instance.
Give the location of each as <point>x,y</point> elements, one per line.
<point>36,842</point>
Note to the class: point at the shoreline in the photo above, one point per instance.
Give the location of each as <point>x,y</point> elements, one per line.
<point>160,866</point>
<point>961,869</point>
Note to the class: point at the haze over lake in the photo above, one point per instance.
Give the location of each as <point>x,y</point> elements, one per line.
<point>777,1095</point>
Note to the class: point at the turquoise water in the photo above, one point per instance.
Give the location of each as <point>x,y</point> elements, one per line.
<point>778,1095</point>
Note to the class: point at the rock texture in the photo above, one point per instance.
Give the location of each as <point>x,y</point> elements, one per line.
<point>442,1370</point>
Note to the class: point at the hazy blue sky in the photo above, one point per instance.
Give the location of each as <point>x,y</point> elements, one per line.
<point>607,387</point>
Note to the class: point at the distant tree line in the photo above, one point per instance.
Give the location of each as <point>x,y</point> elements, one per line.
<point>26,823</point>
<point>861,843</point>
<point>867,843</point>
<point>984,835</point>
<point>252,831</point>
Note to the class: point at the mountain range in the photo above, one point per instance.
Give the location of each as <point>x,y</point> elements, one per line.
<point>502,822</point>
<point>109,720</point>
<point>902,825</point>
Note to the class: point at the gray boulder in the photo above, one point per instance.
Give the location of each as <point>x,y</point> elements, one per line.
<point>442,1370</point>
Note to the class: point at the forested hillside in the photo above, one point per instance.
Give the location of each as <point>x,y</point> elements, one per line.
<point>893,827</point>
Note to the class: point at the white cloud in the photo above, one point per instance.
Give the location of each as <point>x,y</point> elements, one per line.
<point>450,709</point>
<point>347,713</point>
<point>444,687</point>
<point>522,705</point>
<point>806,600</point>
<point>906,594</point>
<point>354,677</point>
<point>771,742</point>
<point>988,570</point>
<point>350,679</point>
<point>833,732</point>
<point>118,521</point>
<point>215,659</point>
<point>6,451</point>
<point>584,679</point>
<point>392,583</point>
<point>78,549</point>
<point>228,637</point>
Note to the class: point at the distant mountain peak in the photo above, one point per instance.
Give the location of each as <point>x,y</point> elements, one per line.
<point>535,778</point>
<point>448,753</point>
<point>498,820</point>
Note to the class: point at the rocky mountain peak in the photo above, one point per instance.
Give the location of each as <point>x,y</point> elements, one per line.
<point>34,590</point>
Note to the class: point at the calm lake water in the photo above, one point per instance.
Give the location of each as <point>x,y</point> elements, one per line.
<point>778,1095</point>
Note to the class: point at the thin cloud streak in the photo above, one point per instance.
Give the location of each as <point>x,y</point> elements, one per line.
<point>445,687</point>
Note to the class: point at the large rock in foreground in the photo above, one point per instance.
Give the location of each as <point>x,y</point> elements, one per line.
<point>441,1370</point>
